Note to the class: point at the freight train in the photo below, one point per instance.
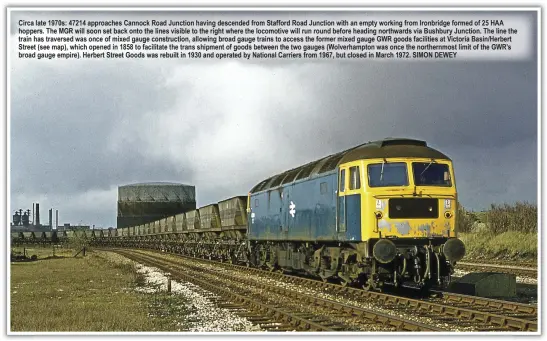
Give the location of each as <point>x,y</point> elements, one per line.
<point>383,212</point>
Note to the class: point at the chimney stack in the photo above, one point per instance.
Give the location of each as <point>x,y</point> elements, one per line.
<point>50,218</point>
<point>37,224</point>
<point>56,219</point>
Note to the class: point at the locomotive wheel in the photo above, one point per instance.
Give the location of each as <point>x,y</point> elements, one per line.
<point>345,280</point>
<point>372,285</point>
<point>379,287</point>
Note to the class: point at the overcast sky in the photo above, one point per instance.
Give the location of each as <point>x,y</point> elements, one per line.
<point>79,129</point>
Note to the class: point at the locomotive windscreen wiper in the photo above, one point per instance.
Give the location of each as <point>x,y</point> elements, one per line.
<point>382,171</point>
<point>427,167</point>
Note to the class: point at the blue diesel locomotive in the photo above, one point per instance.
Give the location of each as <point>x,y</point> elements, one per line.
<point>382,212</point>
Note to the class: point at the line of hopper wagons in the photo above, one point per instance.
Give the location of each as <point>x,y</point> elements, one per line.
<point>224,222</point>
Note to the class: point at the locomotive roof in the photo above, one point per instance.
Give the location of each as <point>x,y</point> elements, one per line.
<point>386,148</point>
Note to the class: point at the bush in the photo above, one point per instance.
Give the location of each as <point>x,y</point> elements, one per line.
<point>78,241</point>
<point>507,231</point>
<point>521,217</point>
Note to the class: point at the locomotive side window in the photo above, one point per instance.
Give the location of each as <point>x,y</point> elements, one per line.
<point>342,180</point>
<point>323,188</point>
<point>354,178</point>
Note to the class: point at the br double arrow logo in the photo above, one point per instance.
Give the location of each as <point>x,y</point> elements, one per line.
<point>292,210</point>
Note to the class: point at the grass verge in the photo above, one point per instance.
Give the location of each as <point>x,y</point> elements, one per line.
<point>509,245</point>
<point>92,293</point>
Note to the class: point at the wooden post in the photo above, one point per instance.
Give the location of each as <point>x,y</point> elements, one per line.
<point>169,284</point>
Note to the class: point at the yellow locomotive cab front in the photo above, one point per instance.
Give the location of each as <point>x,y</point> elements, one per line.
<point>409,198</point>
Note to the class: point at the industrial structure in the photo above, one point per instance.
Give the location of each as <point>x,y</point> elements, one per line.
<point>146,202</point>
<point>22,220</point>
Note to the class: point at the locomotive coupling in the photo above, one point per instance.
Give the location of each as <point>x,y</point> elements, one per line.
<point>453,250</point>
<point>384,251</point>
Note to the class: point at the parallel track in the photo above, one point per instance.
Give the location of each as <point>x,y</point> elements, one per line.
<point>520,310</point>
<point>254,310</point>
<point>475,312</point>
<point>517,270</point>
<point>223,284</point>
<point>526,264</point>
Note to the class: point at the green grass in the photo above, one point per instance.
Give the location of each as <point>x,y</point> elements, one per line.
<point>92,293</point>
<point>503,232</point>
<point>504,246</point>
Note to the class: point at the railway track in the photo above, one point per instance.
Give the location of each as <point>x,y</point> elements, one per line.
<point>454,311</point>
<point>285,310</point>
<point>526,264</point>
<point>517,270</point>
<point>518,310</point>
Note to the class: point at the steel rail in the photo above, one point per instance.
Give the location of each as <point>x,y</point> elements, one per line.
<point>270,313</point>
<point>352,311</point>
<point>451,310</point>
<point>515,307</point>
<point>518,270</point>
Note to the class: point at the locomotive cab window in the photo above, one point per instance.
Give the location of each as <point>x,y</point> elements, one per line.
<point>354,178</point>
<point>387,174</point>
<point>431,174</point>
<point>342,180</point>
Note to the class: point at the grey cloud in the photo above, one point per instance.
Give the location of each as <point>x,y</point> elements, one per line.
<point>63,120</point>
<point>79,129</point>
